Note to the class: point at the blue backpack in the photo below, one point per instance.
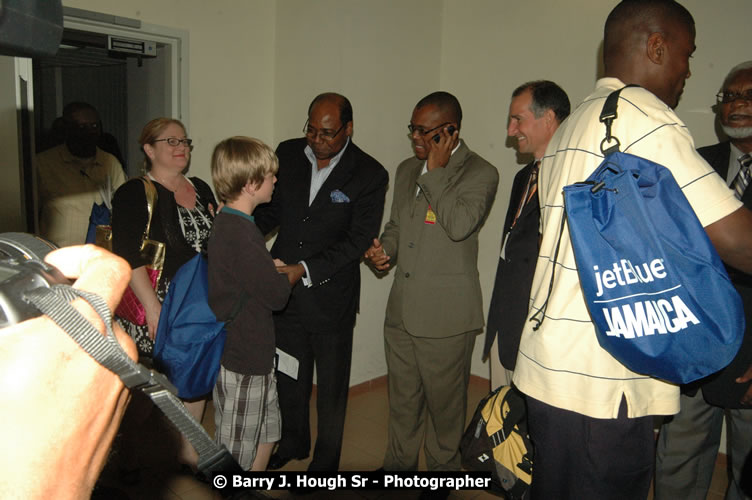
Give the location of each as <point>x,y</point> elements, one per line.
<point>190,340</point>
<point>657,291</point>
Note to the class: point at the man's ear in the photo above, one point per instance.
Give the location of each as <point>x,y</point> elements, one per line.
<point>349,129</point>
<point>550,117</point>
<point>656,48</point>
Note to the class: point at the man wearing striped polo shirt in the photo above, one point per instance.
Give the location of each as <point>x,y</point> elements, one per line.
<point>688,443</point>
<point>589,416</point>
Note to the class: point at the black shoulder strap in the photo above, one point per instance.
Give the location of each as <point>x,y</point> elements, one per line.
<point>608,115</point>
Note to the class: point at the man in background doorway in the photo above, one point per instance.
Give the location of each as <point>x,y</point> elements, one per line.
<point>74,176</point>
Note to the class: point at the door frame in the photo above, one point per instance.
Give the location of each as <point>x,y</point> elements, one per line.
<point>22,212</point>
<point>176,39</point>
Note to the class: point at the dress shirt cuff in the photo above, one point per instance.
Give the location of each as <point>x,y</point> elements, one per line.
<point>306,277</point>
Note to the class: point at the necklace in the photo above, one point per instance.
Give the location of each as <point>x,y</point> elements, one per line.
<point>178,182</point>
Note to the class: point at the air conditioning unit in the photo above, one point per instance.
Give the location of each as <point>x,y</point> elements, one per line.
<point>132,46</point>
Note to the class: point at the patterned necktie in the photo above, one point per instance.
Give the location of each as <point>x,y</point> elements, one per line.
<point>532,188</point>
<point>741,181</point>
<point>532,185</point>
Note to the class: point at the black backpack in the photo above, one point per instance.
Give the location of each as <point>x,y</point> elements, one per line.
<point>497,441</point>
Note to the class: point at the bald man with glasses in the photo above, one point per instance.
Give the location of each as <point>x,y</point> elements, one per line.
<point>327,204</point>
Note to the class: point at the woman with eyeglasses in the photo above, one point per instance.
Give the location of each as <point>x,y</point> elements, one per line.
<point>181,219</point>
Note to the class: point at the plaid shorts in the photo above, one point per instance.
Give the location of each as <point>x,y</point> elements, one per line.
<point>246,413</point>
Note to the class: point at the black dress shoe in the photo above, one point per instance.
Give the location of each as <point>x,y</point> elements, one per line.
<point>277,461</point>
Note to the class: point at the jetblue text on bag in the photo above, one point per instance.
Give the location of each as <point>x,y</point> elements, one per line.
<point>646,317</point>
<point>657,292</point>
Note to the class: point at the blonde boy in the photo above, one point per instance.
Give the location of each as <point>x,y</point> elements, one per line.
<point>246,411</point>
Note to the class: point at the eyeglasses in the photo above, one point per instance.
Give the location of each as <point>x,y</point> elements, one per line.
<point>86,126</point>
<point>174,141</point>
<point>326,135</point>
<point>412,128</point>
<point>726,97</point>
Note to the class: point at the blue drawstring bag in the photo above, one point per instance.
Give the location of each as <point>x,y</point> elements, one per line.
<point>99,231</point>
<point>190,340</point>
<point>655,288</point>
<point>100,216</point>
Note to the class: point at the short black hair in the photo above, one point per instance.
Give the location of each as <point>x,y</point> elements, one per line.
<point>74,107</point>
<point>634,16</point>
<point>345,108</point>
<point>546,95</point>
<point>446,102</point>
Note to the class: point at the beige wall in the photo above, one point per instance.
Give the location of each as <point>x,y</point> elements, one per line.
<point>490,48</point>
<point>255,65</point>
<point>383,56</point>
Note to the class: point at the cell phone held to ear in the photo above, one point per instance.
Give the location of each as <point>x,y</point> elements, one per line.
<point>450,130</point>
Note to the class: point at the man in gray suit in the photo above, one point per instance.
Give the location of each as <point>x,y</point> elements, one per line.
<point>442,196</point>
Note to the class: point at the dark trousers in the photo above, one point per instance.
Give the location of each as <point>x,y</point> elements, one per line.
<point>331,352</point>
<point>579,457</point>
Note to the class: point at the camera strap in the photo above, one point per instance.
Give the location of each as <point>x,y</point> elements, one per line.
<point>105,349</point>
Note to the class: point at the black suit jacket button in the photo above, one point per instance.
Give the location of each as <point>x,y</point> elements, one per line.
<point>407,275</point>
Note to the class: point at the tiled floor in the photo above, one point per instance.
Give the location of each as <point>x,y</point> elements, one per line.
<point>364,446</point>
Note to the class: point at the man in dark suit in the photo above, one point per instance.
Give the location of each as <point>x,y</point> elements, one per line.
<point>442,196</point>
<point>536,110</point>
<point>688,443</point>
<point>327,204</point>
